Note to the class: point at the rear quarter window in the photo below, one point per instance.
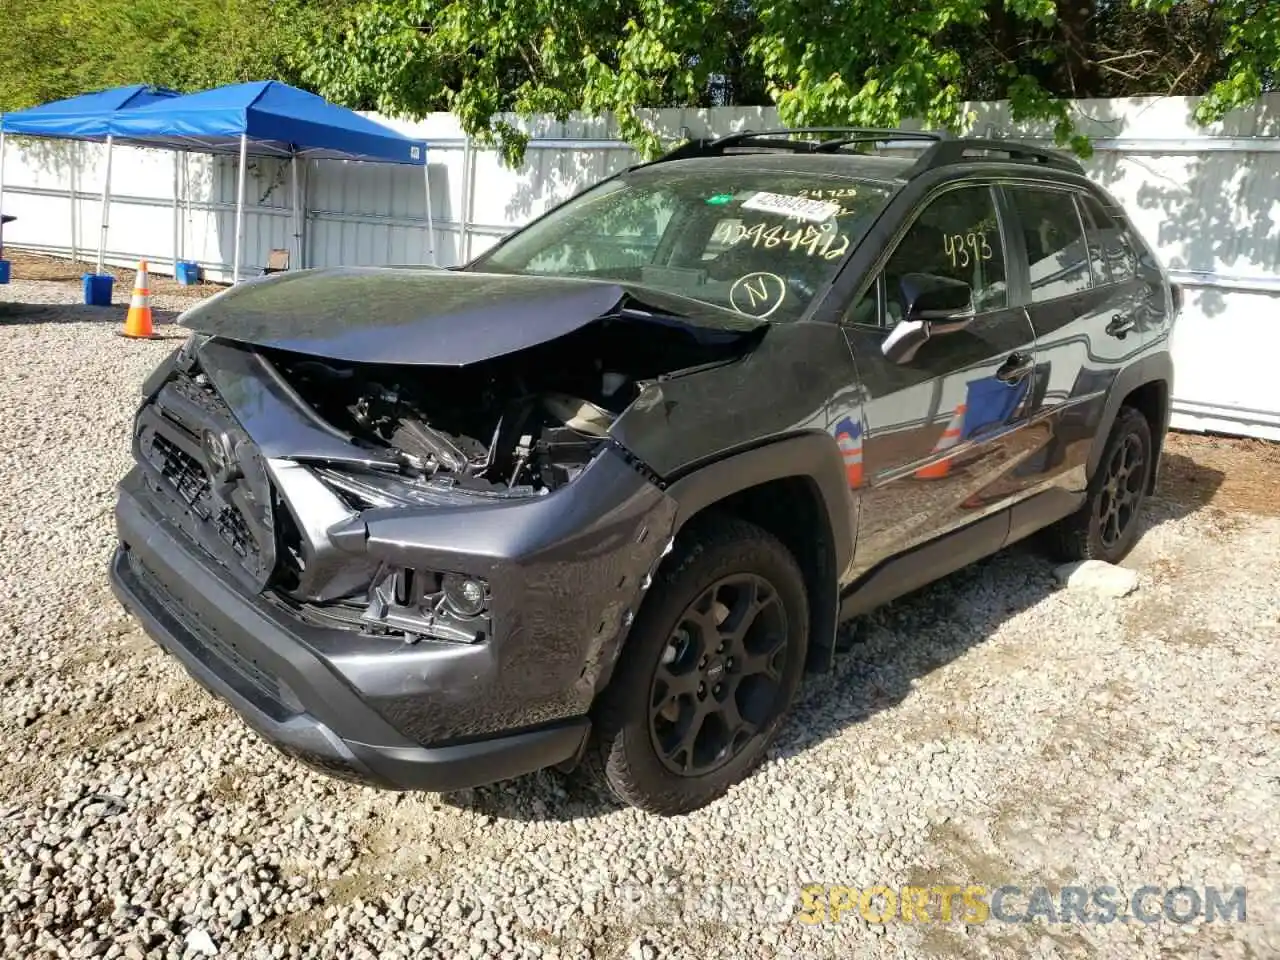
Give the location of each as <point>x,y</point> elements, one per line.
<point>1112,246</point>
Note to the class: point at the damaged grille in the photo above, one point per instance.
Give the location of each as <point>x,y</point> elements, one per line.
<point>209,477</point>
<point>191,482</point>
<point>184,473</point>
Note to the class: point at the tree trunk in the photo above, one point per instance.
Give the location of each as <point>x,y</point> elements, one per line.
<point>1078,75</point>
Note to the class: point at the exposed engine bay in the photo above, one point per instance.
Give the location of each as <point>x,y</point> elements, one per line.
<point>515,425</point>
<point>283,439</point>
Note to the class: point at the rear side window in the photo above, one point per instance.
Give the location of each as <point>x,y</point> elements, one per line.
<point>1111,248</point>
<point>1057,254</point>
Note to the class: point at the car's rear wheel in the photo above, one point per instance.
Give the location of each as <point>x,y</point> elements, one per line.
<point>1106,526</point>
<point>709,669</point>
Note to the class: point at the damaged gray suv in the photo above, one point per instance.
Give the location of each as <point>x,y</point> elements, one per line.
<point>600,496</point>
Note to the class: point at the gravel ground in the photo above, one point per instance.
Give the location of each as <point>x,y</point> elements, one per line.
<point>993,729</point>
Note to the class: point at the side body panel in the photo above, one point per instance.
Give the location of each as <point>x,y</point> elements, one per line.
<point>782,388</point>
<point>942,435</point>
<point>944,429</point>
<point>1088,329</point>
<point>1059,442</point>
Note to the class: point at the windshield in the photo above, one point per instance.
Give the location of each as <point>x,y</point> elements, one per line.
<point>761,243</point>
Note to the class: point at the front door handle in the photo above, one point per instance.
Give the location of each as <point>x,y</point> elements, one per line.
<point>1015,368</point>
<point>1120,325</point>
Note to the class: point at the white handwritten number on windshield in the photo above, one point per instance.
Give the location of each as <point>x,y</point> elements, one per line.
<point>825,241</point>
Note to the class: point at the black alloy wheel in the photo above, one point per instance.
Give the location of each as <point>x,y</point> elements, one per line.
<point>1122,490</point>
<point>719,676</point>
<point>1106,526</point>
<point>707,671</point>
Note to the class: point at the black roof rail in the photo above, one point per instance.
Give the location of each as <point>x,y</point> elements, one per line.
<point>941,149</point>
<point>784,139</point>
<point>958,150</point>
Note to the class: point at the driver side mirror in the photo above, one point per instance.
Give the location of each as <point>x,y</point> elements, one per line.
<point>931,305</point>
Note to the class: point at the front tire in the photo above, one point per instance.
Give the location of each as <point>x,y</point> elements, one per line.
<point>1106,526</point>
<point>708,671</point>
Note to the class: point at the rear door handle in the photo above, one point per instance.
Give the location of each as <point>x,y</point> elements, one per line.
<point>1120,325</point>
<point>1015,368</point>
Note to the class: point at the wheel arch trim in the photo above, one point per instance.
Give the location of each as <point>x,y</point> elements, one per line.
<point>813,457</point>
<point>1156,368</point>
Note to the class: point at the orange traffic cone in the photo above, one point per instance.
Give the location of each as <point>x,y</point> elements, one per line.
<point>850,440</point>
<point>950,437</point>
<point>137,324</point>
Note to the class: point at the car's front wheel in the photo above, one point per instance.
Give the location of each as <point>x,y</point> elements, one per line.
<point>709,669</point>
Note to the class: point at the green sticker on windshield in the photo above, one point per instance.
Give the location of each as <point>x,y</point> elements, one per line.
<point>720,199</point>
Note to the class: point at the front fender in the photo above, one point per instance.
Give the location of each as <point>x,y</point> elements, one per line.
<point>714,433</point>
<point>813,456</point>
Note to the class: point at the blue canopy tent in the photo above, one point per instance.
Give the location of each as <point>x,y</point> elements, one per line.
<point>86,117</point>
<point>272,119</point>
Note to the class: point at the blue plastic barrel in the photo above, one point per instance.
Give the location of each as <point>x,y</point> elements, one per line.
<point>187,272</point>
<point>97,289</point>
<point>4,271</point>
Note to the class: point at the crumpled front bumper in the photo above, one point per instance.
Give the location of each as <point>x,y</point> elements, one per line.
<point>565,577</point>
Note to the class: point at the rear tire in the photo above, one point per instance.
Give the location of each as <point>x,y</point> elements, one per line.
<point>1106,526</point>
<point>708,671</point>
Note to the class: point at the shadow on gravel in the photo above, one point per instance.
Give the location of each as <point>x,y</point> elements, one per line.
<point>30,313</point>
<point>545,796</point>
<point>913,636</point>
<point>888,651</point>
<point>1186,483</point>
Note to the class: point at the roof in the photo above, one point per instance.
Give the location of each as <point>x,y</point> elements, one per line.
<point>84,117</point>
<point>277,119</point>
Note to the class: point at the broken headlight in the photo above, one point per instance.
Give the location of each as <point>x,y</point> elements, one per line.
<point>466,596</point>
<point>420,604</point>
<point>366,490</point>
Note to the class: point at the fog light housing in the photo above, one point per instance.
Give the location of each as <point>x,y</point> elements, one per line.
<point>466,596</point>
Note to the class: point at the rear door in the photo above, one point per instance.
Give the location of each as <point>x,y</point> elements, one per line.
<point>1081,295</point>
<point>941,433</point>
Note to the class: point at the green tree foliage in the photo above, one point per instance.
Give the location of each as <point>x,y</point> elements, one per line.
<point>51,49</point>
<point>821,61</point>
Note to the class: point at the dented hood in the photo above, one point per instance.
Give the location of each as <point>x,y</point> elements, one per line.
<point>409,315</point>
